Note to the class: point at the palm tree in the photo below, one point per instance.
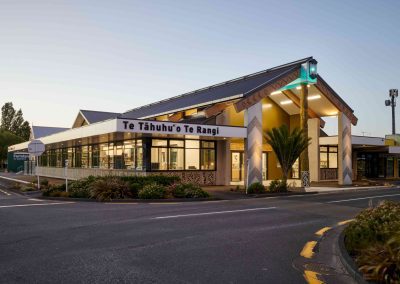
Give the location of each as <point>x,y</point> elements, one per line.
<point>287,146</point>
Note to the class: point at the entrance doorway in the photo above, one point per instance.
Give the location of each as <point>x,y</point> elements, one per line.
<point>237,168</point>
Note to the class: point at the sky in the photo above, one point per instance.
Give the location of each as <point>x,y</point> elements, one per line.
<point>57,57</point>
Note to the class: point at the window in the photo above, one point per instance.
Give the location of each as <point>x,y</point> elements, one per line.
<point>390,167</point>
<point>85,157</point>
<point>207,155</point>
<point>118,157</point>
<point>192,155</point>
<point>104,159</point>
<point>95,156</point>
<point>139,155</point>
<point>129,154</point>
<point>328,157</point>
<point>176,155</point>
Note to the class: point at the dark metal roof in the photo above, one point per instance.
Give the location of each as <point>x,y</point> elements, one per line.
<point>219,92</point>
<point>42,131</point>
<point>96,116</point>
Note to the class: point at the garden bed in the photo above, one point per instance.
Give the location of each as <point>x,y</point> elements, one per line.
<point>111,188</point>
<point>373,241</point>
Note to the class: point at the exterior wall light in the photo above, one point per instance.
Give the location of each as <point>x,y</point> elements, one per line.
<point>312,68</point>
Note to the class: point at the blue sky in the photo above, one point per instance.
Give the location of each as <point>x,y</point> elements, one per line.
<point>57,57</point>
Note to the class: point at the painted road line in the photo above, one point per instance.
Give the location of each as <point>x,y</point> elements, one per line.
<point>311,277</point>
<point>35,204</point>
<point>17,180</point>
<point>322,231</point>
<point>345,222</point>
<point>34,199</point>
<point>361,198</point>
<point>308,248</point>
<point>5,192</point>
<point>214,213</point>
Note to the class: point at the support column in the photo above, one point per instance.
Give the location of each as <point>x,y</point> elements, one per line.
<point>345,168</point>
<point>304,162</point>
<point>313,153</point>
<point>253,145</point>
<point>224,163</point>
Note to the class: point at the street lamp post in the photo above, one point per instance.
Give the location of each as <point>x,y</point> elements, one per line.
<point>393,94</point>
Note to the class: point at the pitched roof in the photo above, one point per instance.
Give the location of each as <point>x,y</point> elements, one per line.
<point>228,90</point>
<point>42,131</point>
<point>93,116</point>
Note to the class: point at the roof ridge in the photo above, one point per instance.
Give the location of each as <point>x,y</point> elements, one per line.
<point>88,110</point>
<point>224,83</point>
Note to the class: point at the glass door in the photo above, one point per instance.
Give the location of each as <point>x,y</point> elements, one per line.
<point>237,166</point>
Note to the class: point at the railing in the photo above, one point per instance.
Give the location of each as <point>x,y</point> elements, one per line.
<point>328,174</point>
<point>198,177</point>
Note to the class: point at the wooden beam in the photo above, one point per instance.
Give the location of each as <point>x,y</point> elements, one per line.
<point>216,109</point>
<point>175,117</point>
<point>274,84</point>
<point>291,96</point>
<point>334,98</point>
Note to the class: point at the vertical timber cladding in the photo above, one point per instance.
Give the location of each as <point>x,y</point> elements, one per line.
<point>254,143</point>
<point>344,146</point>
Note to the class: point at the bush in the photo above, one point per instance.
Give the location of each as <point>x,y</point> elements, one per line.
<point>44,183</point>
<point>50,191</point>
<point>374,240</point>
<point>81,188</point>
<point>187,190</point>
<point>256,187</point>
<point>109,188</point>
<point>277,186</point>
<point>144,180</point>
<point>152,191</point>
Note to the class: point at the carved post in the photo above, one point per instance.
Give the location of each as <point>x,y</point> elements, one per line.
<point>304,163</point>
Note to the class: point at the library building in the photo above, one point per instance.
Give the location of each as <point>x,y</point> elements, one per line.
<point>215,135</point>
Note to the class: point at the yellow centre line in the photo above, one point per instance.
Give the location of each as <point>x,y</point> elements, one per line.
<point>322,231</point>
<point>345,222</point>
<point>307,251</point>
<point>311,277</point>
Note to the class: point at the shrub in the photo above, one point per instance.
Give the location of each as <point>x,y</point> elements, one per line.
<point>152,191</point>
<point>187,190</point>
<point>374,240</point>
<point>277,186</point>
<point>256,187</point>
<point>109,188</point>
<point>373,225</point>
<point>44,183</point>
<point>144,180</point>
<point>81,188</point>
<point>50,191</point>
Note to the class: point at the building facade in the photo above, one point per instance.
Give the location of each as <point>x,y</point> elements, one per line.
<point>211,136</point>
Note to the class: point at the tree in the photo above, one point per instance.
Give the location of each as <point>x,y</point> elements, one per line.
<point>13,121</point>
<point>287,146</point>
<point>7,116</point>
<point>6,139</point>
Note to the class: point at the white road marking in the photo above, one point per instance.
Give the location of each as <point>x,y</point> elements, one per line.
<point>216,212</point>
<point>35,204</point>
<point>34,199</point>
<point>361,198</point>
<point>5,192</point>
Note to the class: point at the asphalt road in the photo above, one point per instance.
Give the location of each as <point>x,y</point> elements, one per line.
<point>235,241</point>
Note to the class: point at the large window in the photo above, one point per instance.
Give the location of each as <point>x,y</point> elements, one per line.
<point>159,155</point>
<point>192,155</point>
<point>207,155</point>
<point>173,154</point>
<point>328,157</point>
